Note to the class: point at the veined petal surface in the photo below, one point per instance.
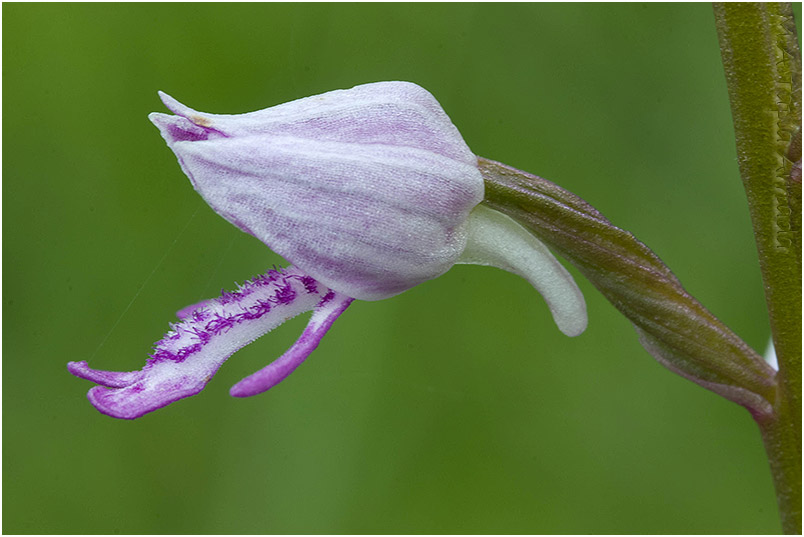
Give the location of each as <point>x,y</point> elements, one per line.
<point>367,190</point>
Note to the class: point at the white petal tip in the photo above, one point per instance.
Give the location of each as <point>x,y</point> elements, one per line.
<point>574,325</point>
<point>175,106</point>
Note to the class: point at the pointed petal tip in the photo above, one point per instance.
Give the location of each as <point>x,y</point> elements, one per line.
<point>175,106</point>
<point>166,99</point>
<point>159,119</point>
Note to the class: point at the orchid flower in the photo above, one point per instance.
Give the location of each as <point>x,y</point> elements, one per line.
<point>367,192</point>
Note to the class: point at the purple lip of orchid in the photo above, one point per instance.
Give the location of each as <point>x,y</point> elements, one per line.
<point>185,359</point>
<point>367,192</point>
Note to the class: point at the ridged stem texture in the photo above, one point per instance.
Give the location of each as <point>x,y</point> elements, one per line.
<point>762,63</point>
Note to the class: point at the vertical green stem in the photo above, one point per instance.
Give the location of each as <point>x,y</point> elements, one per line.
<point>762,62</point>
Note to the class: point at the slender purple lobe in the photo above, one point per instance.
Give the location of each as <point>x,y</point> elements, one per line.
<point>111,379</point>
<point>324,314</point>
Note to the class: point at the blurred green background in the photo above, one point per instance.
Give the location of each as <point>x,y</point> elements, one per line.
<point>455,407</point>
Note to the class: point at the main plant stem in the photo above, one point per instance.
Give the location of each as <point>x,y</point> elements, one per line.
<point>762,62</point>
<point>781,438</point>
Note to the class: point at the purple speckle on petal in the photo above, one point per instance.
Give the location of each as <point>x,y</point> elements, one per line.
<point>202,335</point>
<point>162,355</point>
<point>227,297</point>
<point>285,295</point>
<point>220,323</point>
<point>200,315</point>
<point>187,132</point>
<point>262,307</point>
<point>187,351</point>
<point>329,296</point>
<point>310,285</point>
<point>260,280</point>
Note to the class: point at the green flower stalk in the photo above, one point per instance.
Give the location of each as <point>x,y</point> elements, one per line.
<point>674,327</point>
<point>762,62</point>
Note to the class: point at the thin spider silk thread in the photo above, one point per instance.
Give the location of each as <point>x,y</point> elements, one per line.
<point>145,282</point>
<point>208,287</point>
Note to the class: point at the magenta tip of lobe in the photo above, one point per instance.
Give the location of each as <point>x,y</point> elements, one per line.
<point>76,368</point>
